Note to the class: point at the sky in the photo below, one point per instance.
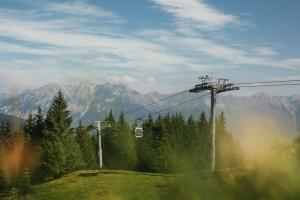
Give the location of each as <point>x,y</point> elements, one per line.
<point>151,45</point>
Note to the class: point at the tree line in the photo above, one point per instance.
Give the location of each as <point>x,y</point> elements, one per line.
<point>170,144</point>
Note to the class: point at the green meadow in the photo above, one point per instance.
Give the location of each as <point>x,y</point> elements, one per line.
<point>127,185</point>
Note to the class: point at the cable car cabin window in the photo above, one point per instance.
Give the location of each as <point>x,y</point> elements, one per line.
<point>138,132</point>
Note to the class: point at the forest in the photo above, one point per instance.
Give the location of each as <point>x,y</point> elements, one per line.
<point>48,147</point>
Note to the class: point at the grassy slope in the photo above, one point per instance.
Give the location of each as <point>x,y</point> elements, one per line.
<point>223,184</point>
<point>103,185</point>
<point>115,185</point>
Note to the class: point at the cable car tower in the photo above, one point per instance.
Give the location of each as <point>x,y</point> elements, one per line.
<point>99,125</point>
<point>215,86</point>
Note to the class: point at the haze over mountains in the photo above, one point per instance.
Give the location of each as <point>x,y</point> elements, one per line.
<point>257,114</point>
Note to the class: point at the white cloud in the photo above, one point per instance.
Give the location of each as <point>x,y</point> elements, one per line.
<point>65,47</point>
<point>76,8</point>
<point>115,79</point>
<point>265,51</point>
<point>129,79</point>
<point>103,50</point>
<point>233,56</point>
<point>135,53</point>
<point>150,79</point>
<point>16,48</point>
<point>295,62</point>
<point>197,11</point>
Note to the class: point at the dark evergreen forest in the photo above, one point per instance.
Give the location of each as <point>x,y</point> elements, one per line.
<point>50,147</point>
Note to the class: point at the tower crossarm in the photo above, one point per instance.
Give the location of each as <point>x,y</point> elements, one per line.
<point>227,87</point>
<point>200,88</point>
<point>215,86</point>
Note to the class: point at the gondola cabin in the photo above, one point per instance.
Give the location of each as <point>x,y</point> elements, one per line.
<point>138,132</point>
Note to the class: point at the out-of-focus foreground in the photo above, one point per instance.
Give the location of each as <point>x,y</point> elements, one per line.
<point>278,182</point>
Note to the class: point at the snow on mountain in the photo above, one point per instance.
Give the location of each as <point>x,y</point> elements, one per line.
<point>88,101</point>
<point>79,97</point>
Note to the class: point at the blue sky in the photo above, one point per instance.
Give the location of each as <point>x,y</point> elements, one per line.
<point>161,45</point>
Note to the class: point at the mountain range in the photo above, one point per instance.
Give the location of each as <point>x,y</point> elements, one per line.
<point>260,113</point>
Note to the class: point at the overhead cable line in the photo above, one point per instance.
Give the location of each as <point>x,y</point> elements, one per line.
<point>193,99</point>
<point>155,102</point>
<point>242,84</point>
<point>170,107</point>
<point>259,82</point>
<point>270,85</point>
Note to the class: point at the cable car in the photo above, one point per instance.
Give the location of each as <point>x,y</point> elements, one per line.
<point>138,130</point>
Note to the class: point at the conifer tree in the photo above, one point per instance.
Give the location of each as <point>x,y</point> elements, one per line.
<point>110,142</point>
<point>191,133</point>
<point>61,152</point>
<point>192,143</point>
<point>35,126</point>
<point>72,153</point>
<point>228,151</point>
<point>205,141</point>
<point>157,138</point>
<point>24,182</point>
<point>170,153</point>
<point>38,132</point>
<point>29,126</point>
<point>144,146</point>
<point>58,120</point>
<point>126,144</point>
<point>3,183</point>
<point>52,160</point>
<point>87,146</point>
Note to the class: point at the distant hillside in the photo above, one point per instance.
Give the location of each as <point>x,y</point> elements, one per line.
<point>87,101</point>
<point>12,120</point>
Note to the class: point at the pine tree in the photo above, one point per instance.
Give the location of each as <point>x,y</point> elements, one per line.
<point>3,143</point>
<point>87,146</point>
<point>13,194</point>
<point>34,128</point>
<point>72,153</point>
<point>157,138</point>
<point>29,126</point>
<point>61,152</point>
<point>205,141</point>
<point>191,127</point>
<point>126,144</point>
<point>170,153</point>
<point>38,131</point>
<point>5,135</point>
<point>110,143</point>
<point>192,144</point>
<point>228,151</point>
<point>24,182</point>
<point>58,120</point>
<point>52,160</point>
<point>144,146</point>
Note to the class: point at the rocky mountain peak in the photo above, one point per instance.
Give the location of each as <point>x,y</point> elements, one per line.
<point>88,101</point>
